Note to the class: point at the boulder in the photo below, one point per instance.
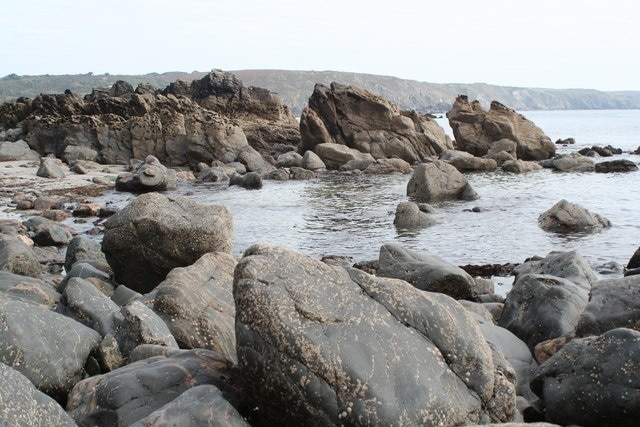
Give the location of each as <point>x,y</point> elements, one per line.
<point>216,174</point>
<point>289,159</point>
<point>597,151</point>
<point>161,233</point>
<point>613,303</point>
<point>197,304</point>
<point>19,150</point>
<point>28,289</point>
<point>520,166</point>
<point>21,404</point>
<point>132,392</point>
<point>466,162</point>
<point>574,162</point>
<point>52,235</point>
<point>476,130</point>
<point>359,119</point>
<point>250,180</point>
<point>16,257</point>
<point>312,161</point>
<point>388,166</point>
<point>87,250</point>
<point>338,346</point>
<point>540,307</point>
<point>567,265</point>
<point>592,381</point>
<point>620,165</point>
<point>634,261</point>
<point>150,175</point>
<point>51,168</point>
<point>52,354</point>
<point>334,155</point>
<point>203,405</point>
<point>425,272</point>
<point>566,217</point>
<point>439,180</point>
<point>408,216</point>
<point>565,141</point>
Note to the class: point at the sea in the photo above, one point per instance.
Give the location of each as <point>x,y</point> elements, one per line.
<point>352,215</point>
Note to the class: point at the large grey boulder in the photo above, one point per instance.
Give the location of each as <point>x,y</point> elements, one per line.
<point>593,381</point>
<point>520,166</point>
<point>613,303</point>
<point>334,155</point>
<point>466,162</point>
<point>87,250</point>
<point>154,234</point>
<point>28,289</point>
<point>439,180</point>
<point>46,347</point>
<point>21,404</point>
<point>476,130</point>
<point>18,150</point>
<point>567,217</point>
<point>134,391</point>
<point>425,272</point>
<point>197,304</point>
<point>203,405</point>
<point>619,165</point>
<point>312,161</point>
<point>150,175</point>
<point>18,258</point>
<point>51,168</point>
<point>547,297</point>
<point>338,346</point>
<point>359,119</point>
<point>574,162</point>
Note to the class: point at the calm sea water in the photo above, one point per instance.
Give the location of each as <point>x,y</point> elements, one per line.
<point>352,215</point>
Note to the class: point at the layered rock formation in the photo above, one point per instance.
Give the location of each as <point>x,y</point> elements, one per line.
<point>183,124</point>
<point>476,130</point>
<point>361,120</point>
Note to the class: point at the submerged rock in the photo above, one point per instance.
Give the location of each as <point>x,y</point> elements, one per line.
<point>621,165</point>
<point>408,215</point>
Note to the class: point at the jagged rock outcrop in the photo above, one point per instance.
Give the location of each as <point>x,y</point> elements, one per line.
<point>180,125</point>
<point>364,121</point>
<point>476,130</point>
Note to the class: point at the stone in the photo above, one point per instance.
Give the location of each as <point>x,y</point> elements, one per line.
<point>28,289</point>
<point>520,166</point>
<point>73,154</point>
<point>312,161</point>
<point>409,216</point>
<point>592,381</point>
<point>54,352</point>
<point>466,162</point>
<point>203,405</point>
<point>22,404</point>
<point>358,119</point>
<point>545,349</point>
<point>573,162</point>
<point>634,261</point>
<point>52,235</point>
<point>134,391</point>
<point>567,217</point>
<point>613,303</point>
<point>476,130</point>
<point>250,180</point>
<point>565,141</point>
<point>18,258</point>
<point>620,165</point>
<point>439,180</point>
<point>289,159</point>
<point>301,174</point>
<point>18,150</point>
<point>51,168</point>
<point>149,175</point>
<point>178,229</point>
<point>337,345</point>
<point>216,174</point>
<point>388,166</point>
<point>334,155</point>
<point>426,272</point>
<point>84,249</point>
<point>197,304</point>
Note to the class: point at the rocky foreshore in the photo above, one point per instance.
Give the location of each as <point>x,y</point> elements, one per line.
<point>146,318</point>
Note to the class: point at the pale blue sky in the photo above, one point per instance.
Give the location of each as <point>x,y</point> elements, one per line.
<point>543,43</point>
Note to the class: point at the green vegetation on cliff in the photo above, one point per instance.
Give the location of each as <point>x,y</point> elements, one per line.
<point>295,87</point>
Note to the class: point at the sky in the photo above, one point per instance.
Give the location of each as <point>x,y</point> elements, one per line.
<point>543,43</point>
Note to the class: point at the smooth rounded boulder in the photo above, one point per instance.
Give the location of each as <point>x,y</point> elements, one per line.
<point>323,344</point>
<point>408,216</point>
<point>149,175</point>
<point>439,180</point>
<point>154,234</point>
